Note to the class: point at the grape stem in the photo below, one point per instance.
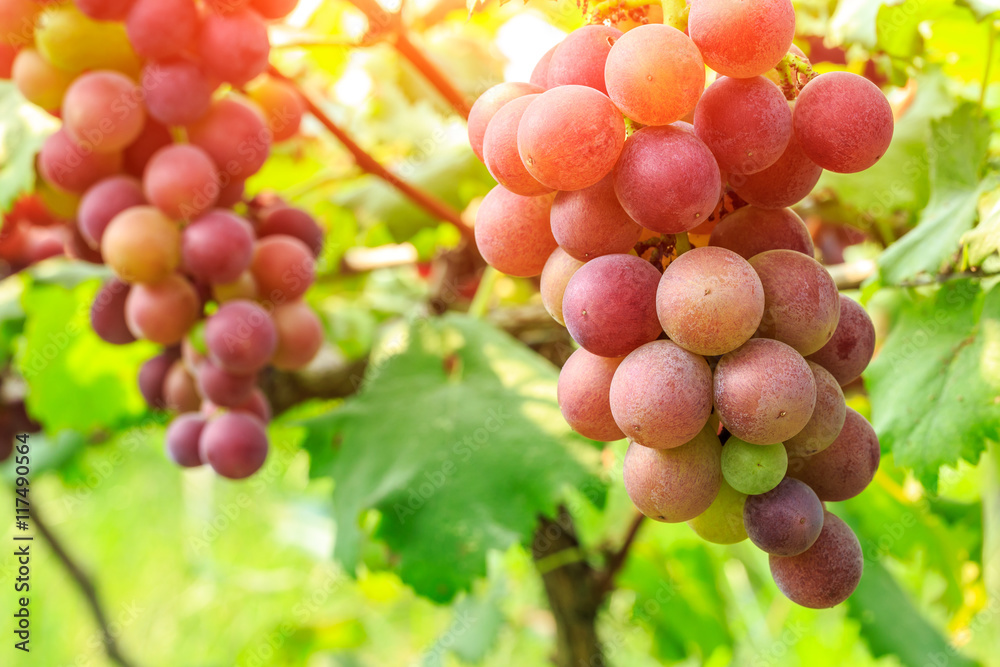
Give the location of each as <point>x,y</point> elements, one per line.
<point>85,585</point>
<point>370,165</point>
<point>385,24</point>
<point>616,559</point>
<point>794,72</point>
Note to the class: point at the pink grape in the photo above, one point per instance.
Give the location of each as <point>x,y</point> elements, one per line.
<point>105,10</point>
<point>224,388</point>
<point>746,123</point>
<point>292,221</point>
<point>234,444</point>
<point>152,375</point>
<point>241,337</point>
<point>742,39</point>
<point>180,180</point>
<point>591,222</point>
<point>570,137</point>
<point>785,183</point>
<point>234,135</point>
<point>300,335</point>
<point>847,354</point>
<point>513,233</point>
<point>827,419</point>
<point>160,29</point>
<point>610,305</point>
<point>154,136</point>
<point>107,314</point>
<point>667,180</point>
<point>69,167</point>
<point>180,391</point>
<point>750,231</point>
<point>217,247</point>
<point>655,74</point>
<point>540,73</point>
<point>234,47</point>
<point>559,268</point>
<point>283,268</point>
<point>583,393</point>
<point>101,203</point>
<point>843,122</point>
<point>500,150</point>
<point>579,59</point>
<point>182,439</point>
<point>163,312</point>
<point>488,104</point>
<point>176,93</point>
<point>282,105</point>
<point>274,9</point>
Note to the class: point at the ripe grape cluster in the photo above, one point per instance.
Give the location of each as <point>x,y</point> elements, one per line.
<point>166,110</point>
<point>656,211</point>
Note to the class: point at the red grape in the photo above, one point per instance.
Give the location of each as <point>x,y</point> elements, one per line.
<point>847,354</point>
<point>217,247</point>
<point>107,314</point>
<point>181,181</point>
<point>163,312</point>
<point>591,222</point>
<point>234,47</point>
<point>234,444</point>
<point>177,93</point>
<point>160,29</point>
<point>742,39</point>
<point>750,231</point>
<point>291,221</point>
<point>283,268</point>
<point>583,392</point>
<point>513,232</point>
<point>241,337</point>
<point>182,439</point>
<point>579,59</point>
<point>102,202</point>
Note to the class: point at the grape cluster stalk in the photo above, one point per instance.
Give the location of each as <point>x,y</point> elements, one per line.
<point>167,109</point>
<point>656,210</point>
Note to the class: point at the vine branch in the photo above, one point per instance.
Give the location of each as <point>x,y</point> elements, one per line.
<point>370,165</point>
<point>606,577</point>
<point>86,587</point>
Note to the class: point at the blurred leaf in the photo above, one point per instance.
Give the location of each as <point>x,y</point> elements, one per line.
<point>76,380</point>
<point>935,384</point>
<point>456,438</point>
<point>474,629</point>
<point>891,625</point>
<point>981,8</point>
<point>898,25</point>
<point>854,21</point>
<point>957,151</point>
<point>984,240</point>
<point>22,133</point>
<point>961,45</point>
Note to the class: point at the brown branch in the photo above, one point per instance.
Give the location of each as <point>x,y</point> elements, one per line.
<point>389,24</point>
<point>367,163</point>
<point>606,577</point>
<point>85,585</point>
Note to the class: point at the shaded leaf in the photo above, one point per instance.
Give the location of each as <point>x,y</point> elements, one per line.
<point>984,240</point>
<point>22,132</point>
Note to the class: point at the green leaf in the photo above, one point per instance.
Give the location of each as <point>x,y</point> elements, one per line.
<point>22,132</point>
<point>76,380</point>
<point>981,8</point>
<point>935,384</point>
<point>457,440</point>
<point>473,630</point>
<point>891,624</point>
<point>957,152</point>
<point>984,240</point>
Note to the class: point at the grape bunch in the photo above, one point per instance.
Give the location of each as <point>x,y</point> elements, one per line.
<point>656,211</point>
<point>166,111</point>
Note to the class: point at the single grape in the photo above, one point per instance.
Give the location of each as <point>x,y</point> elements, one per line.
<point>801,301</point>
<point>152,375</point>
<point>710,301</point>
<point>667,180</point>
<point>847,354</point>
<point>257,405</point>
<point>217,247</point>
<point>785,183</point>
<point>500,150</point>
<point>107,314</point>
<point>826,573</point>
<point>753,469</point>
<point>291,221</point>
<point>39,81</point>
<point>579,59</point>
<point>234,47</point>
<point>784,521</point>
<point>176,93</point>
<point>540,74</point>
<point>513,232</point>
<point>282,105</point>
<point>162,29</point>
<point>182,439</point>
<point>76,43</point>
<point>746,123</point>
<point>610,305</point>
<point>661,395</point>
<point>102,202</point>
<point>843,122</point>
<point>224,388</point>
<point>234,444</point>
<point>570,137</point>
<point>163,312</point>
<point>154,136</point>
<point>488,104</point>
<point>78,248</point>
<point>558,270</point>
<point>584,383</point>
<point>827,418</point>
<point>235,136</point>
<point>180,391</point>
<point>69,167</point>
<point>300,335</point>
<point>765,392</point>
<point>181,181</point>
<point>142,245</point>
<point>722,522</point>
<point>231,192</point>
<point>591,222</point>
<point>283,268</point>
<point>749,231</point>
<point>846,467</point>
<point>655,74</point>
<point>241,337</point>
<point>103,110</point>
<point>742,39</point>
<point>677,484</point>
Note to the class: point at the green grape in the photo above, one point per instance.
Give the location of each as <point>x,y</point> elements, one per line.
<point>753,469</point>
<point>722,522</point>
<point>73,42</point>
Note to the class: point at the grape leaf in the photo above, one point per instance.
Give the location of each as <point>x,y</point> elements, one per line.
<point>891,624</point>
<point>22,132</point>
<point>935,384</point>
<point>984,240</point>
<point>981,8</point>
<point>957,151</point>
<point>76,380</point>
<point>457,440</point>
